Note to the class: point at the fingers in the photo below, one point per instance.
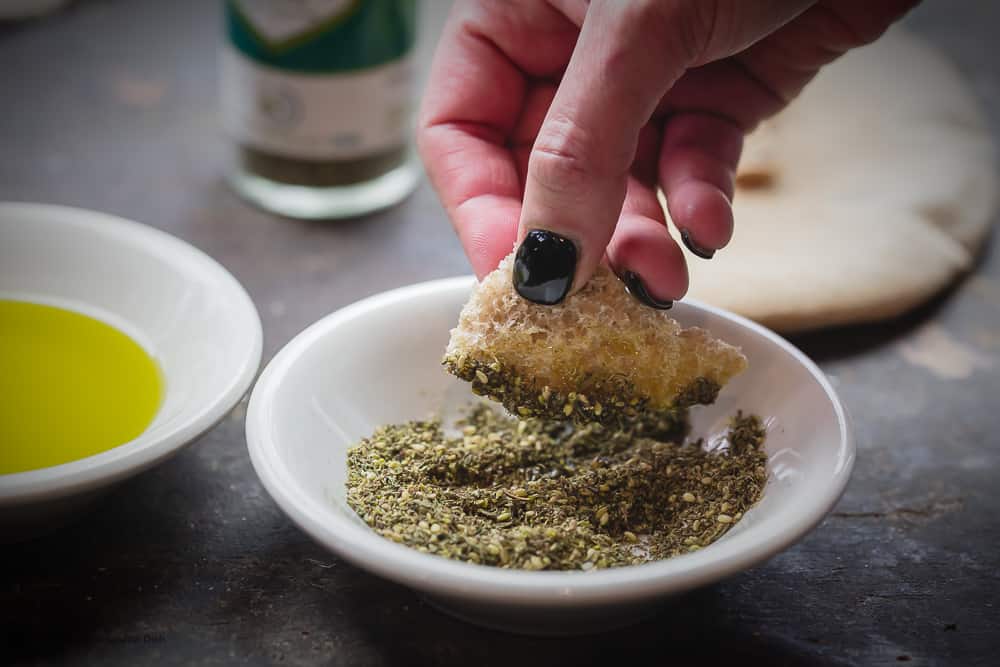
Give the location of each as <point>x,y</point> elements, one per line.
<point>474,99</point>
<point>577,171</point>
<point>486,227</point>
<point>726,89</point>
<point>595,133</point>
<point>642,250</point>
<point>792,55</point>
<point>477,181</point>
<point>697,170</point>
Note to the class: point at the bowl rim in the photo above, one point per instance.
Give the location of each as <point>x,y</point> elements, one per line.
<point>117,463</point>
<point>458,580</point>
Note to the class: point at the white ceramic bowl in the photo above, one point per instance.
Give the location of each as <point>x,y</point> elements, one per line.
<point>184,308</point>
<point>378,361</point>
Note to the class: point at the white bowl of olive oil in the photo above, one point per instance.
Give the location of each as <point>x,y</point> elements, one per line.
<point>119,344</point>
<point>378,362</point>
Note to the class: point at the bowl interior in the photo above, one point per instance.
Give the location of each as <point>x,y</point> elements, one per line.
<point>187,311</point>
<point>378,361</point>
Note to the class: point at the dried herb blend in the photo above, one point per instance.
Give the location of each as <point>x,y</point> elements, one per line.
<point>611,401</point>
<point>536,494</point>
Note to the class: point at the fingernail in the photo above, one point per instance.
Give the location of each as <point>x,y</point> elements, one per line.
<point>694,247</point>
<point>544,266</point>
<point>637,288</point>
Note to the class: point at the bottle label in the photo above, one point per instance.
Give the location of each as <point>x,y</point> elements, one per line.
<point>326,79</point>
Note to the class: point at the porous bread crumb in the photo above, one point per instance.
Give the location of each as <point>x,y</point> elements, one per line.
<point>598,356</point>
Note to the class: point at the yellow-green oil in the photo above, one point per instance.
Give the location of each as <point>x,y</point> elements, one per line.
<point>70,386</point>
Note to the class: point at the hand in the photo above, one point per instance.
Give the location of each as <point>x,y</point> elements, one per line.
<point>567,116</point>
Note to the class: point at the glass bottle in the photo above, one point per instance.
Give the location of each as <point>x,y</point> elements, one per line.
<point>317,95</point>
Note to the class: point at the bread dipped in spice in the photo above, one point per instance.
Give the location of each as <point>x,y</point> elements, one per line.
<point>598,356</point>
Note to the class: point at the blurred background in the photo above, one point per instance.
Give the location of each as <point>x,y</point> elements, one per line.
<point>113,105</point>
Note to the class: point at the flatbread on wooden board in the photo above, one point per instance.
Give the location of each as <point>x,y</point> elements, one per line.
<point>870,193</point>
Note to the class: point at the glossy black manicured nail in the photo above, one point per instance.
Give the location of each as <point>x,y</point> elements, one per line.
<point>637,288</point>
<point>694,247</point>
<point>544,267</point>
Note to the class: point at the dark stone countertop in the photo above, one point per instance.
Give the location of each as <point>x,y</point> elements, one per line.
<point>111,105</point>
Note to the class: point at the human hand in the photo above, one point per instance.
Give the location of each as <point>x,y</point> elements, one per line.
<point>565,116</point>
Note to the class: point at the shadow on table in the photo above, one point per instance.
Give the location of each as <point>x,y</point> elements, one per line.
<point>96,589</point>
<point>96,584</point>
<point>692,629</point>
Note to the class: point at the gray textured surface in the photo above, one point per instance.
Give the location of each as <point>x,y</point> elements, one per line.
<point>111,106</point>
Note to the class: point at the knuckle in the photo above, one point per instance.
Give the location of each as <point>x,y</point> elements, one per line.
<point>675,30</point>
<point>684,29</point>
<point>561,157</point>
<point>705,30</point>
<point>559,172</point>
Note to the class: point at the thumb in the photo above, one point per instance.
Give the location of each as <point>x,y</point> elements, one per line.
<point>623,63</point>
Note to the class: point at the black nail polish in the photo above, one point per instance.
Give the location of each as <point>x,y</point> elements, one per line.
<point>694,247</point>
<point>544,267</point>
<point>637,288</point>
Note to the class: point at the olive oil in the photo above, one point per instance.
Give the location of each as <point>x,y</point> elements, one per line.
<point>70,386</point>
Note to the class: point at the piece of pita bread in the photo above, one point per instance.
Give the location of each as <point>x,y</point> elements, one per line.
<point>870,193</point>
<point>599,355</point>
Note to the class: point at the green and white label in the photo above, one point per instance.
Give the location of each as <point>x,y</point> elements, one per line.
<point>318,79</point>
